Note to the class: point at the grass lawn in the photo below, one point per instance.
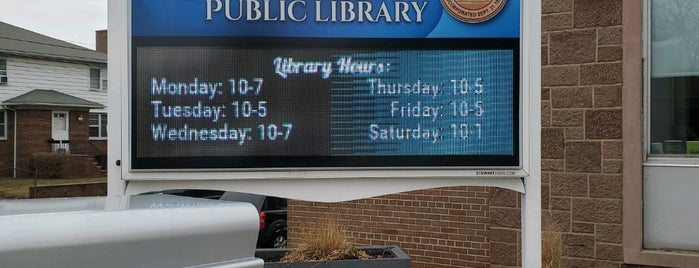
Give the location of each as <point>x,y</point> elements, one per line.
<point>19,188</point>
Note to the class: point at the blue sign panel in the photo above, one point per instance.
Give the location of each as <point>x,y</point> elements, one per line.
<point>324,19</point>
<point>220,84</point>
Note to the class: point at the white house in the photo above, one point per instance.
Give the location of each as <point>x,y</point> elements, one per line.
<point>53,97</point>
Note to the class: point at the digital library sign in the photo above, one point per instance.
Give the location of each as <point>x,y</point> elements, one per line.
<point>300,84</point>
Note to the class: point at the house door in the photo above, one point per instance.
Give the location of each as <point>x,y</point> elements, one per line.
<point>59,131</point>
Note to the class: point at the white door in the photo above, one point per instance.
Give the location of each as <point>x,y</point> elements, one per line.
<point>59,130</point>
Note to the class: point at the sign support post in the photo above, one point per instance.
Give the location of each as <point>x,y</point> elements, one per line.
<point>531,73</point>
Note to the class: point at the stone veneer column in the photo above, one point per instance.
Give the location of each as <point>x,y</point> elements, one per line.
<point>581,137</point>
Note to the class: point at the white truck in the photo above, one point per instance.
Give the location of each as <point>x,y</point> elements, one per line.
<point>136,231</point>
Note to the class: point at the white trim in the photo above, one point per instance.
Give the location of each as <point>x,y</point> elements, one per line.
<point>672,162</point>
<point>14,144</point>
<point>90,78</point>
<point>103,74</point>
<point>100,117</point>
<point>118,78</point>
<point>123,63</point>
<point>104,84</point>
<point>648,159</point>
<point>57,135</point>
<point>67,120</point>
<point>50,104</point>
<point>531,87</point>
<point>4,138</point>
<point>659,169</point>
<point>361,188</point>
<point>646,79</point>
<point>4,77</point>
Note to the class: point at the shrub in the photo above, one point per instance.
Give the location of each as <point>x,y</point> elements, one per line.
<point>49,165</point>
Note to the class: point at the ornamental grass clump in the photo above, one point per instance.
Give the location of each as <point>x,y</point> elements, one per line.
<point>327,242</point>
<point>551,243</point>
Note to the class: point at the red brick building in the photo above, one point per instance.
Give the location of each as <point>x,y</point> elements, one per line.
<point>619,115</point>
<point>53,97</point>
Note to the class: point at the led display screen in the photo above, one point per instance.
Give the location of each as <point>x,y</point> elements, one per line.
<point>227,100</point>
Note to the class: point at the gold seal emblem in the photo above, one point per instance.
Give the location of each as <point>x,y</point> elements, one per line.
<point>473,11</point>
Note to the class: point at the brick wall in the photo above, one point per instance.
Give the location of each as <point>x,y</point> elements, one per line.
<point>80,136</point>
<point>79,131</point>
<point>34,132</point>
<point>445,227</point>
<point>72,190</point>
<point>581,164</point>
<point>101,145</point>
<point>6,148</point>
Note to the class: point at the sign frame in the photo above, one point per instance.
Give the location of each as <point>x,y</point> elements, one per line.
<point>127,140</point>
<point>338,184</point>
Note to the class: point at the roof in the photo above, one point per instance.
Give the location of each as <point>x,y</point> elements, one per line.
<point>40,97</point>
<point>21,42</point>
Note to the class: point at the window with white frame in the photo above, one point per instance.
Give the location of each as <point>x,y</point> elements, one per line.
<point>3,125</point>
<point>674,78</point>
<point>3,71</point>
<point>671,166</point>
<point>98,125</point>
<point>97,80</point>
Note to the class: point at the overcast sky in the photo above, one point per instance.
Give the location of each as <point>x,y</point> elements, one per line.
<point>74,21</point>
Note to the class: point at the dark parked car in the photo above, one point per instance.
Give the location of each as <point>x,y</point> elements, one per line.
<point>272,212</point>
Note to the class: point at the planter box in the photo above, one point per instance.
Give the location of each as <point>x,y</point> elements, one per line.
<point>395,258</point>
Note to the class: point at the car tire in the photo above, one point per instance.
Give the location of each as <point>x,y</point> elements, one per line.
<point>278,239</point>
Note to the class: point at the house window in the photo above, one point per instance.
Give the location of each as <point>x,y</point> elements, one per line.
<point>3,71</point>
<point>672,125</point>
<point>97,80</point>
<point>3,125</point>
<point>98,125</point>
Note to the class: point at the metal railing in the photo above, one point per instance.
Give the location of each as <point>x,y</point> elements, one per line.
<point>81,147</point>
